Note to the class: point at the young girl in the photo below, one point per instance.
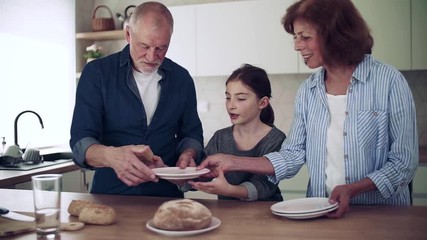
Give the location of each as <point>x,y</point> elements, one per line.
<point>252,134</point>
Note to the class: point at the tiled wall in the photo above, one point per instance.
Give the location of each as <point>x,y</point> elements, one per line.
<point>210,91</point>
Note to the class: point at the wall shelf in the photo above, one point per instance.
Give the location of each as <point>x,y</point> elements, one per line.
<point>103,35</point>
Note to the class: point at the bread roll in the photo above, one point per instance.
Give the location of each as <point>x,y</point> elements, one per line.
<point>92,213</point>
<point>98,214</point>
<point>72,226</point>
<point>76,206</point>
<point>145,154</point>
<point>182,215</point>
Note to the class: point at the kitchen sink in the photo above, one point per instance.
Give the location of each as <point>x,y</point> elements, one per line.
<point>50,157</point>
<point>57,156</point>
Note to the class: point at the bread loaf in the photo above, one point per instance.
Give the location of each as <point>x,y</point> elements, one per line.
<point>98,214</point>
<point>182,215</point>
<point>76,206</point>
<point>92,213</point>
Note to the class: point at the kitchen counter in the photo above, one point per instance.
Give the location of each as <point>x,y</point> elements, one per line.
<point>8,178</point>
<point>239,220</point>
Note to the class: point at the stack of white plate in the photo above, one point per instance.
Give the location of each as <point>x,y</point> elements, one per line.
<point>303,208</point>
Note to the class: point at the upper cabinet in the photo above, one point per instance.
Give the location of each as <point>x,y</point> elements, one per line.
<point>390,23</point>
<point>182,48</point>
<point>419,34</point>
<point>230,34</point>
<point>216,38</point>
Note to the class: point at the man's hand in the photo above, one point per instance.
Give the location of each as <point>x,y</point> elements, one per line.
<point>187,159</point>
<point>131,163</point>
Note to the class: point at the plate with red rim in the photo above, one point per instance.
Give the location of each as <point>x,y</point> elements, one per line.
<point>215,223</point>
<point>303,206</point>
<point>176,173</point>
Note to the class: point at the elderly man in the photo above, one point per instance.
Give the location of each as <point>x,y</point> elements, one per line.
<point>133,104</point>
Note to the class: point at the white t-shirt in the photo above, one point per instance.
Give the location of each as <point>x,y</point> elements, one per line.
<point>149,90</point>
<point>335,170</point>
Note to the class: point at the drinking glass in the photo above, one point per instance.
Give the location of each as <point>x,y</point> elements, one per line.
<point>47,205</point>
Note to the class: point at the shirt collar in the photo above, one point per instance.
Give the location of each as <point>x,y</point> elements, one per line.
<point>125,60</point>
<point>361,72</point>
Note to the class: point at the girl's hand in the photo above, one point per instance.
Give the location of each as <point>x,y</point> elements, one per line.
<point>218,186</point>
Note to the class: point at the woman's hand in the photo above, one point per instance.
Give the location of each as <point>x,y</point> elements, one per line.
<point>216,163</point>
<point>342,195</point>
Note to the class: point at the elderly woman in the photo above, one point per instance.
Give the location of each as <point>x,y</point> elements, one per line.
<point>354,122</point>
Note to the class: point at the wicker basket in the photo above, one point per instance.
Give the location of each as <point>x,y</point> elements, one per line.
<point>102,24</point>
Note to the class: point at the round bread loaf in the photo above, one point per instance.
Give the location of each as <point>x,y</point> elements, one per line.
<point>98,214</point>
<point>182,215</point>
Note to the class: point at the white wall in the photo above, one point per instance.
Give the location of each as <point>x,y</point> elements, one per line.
<point>37,69</point>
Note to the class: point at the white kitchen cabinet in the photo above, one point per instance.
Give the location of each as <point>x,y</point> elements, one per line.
<point>182,49</point>
<point>295,187</point>
<point>390,23</point>
<point>419,34</point>
<point>73,181</point>
<point>419,186</point>
<point>232,33</point>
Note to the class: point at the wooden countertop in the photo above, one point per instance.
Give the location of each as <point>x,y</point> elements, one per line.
<point>8,178</point>
<point>239,220</point>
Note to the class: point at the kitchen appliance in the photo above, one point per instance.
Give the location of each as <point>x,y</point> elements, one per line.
<point>126,17</point>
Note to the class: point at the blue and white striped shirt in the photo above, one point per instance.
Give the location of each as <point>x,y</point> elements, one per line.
<point>380,135</point>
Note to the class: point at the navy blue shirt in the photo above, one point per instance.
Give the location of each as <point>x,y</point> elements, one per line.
<point>109,111</point>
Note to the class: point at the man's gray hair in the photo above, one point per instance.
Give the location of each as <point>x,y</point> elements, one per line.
<point>157,8</point>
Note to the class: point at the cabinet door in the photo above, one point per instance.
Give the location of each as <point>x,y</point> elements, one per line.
<point>233,33</point>
<point>390,24</point>
<point>182,49</point>
<point>419,186</point>
<point>419,34</point>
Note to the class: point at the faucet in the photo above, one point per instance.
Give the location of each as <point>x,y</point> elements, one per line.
<point>16,124</point>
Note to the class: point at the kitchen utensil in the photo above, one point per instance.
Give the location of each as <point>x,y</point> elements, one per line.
<point>32,155</point>
<point>303,205</point>
<point>13,151</point>
<point>47,204</point>
<point>10,227</point>
<point>8,161</point>
<point>4,212</point>
<point>176,173</point>
<point>125,19</point>
<point>215,223</point>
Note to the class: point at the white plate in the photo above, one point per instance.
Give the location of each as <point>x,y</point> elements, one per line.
<point>176,173</point>
<point>303,205</point>
<point>306,215</point>
<point>215,222</point>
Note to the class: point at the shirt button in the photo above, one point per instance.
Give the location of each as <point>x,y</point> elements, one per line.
<point>347,178</point>
<point>345,134</point>
<point>346,112</point>
<point>375,113</point>
<point>346,156</point>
